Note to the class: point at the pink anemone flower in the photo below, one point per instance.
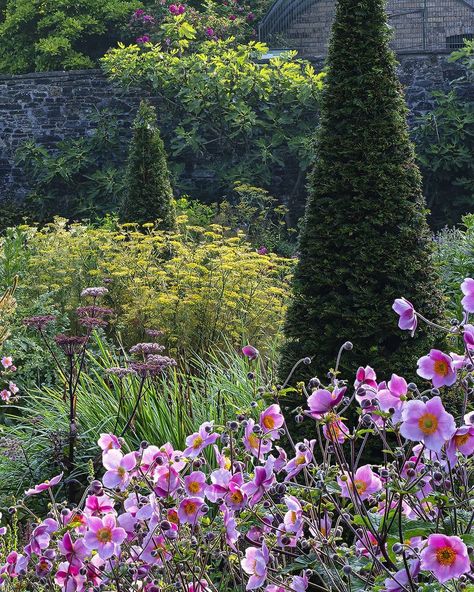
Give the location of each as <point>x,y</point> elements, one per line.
<point>392,398</point>
<point>462,441</point>
<point>250,352</point>
<point>104,536</point>
<point>321,401</point>
<point>44,486</point>
<point>190,509</point>
<point>261,483</point>
<point>195,484</point>
<point>118,468</point>
<point>405,309</point>
<point>467,288</point>
<point>428,423</point>
<point>271,421</point>
<point>437,367</point>
<point>255,565</point>
<point>446,557</point>
<point>256,445</point>
<point>365,482</point>
<point>109,441</point>
<point>200,440</point>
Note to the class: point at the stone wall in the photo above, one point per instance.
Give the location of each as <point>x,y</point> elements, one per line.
<point>49,107</point>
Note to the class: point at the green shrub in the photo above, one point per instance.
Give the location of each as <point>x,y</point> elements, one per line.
<point>79,178</point>
<point>203,286</point>
<point>365,239</point>
<point>39,35</point>
<point>225,117</point>
<point>148,193</point>
<point>445,145</point>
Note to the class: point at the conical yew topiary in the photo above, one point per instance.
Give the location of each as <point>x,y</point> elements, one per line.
<point>365,239</point>
<point>149,196</point>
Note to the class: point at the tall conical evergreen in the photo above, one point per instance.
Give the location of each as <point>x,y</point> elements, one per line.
<point>149,195</point>
<point>365,239</point>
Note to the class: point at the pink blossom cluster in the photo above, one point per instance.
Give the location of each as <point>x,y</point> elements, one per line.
<point>241,506</point>
<point>10,390</point>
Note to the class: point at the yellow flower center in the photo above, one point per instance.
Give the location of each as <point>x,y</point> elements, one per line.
<point>441,367</point>
<point>428,423</point>
<point>121,471</point>
<point>253,441</point>
<point>194,487</point>
<point>293,517</point>
<point>236,497</point>
<point>460,440</point>
<point>197,442</point>
<point>300,460</point>
<point>269,422</point>
<point>104,535</point>
<point>361,486</point>
<point>446,556</point>
<point>189,508</point>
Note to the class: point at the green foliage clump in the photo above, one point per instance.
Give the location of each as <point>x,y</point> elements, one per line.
<point>203,286</point>
<point>365,239</point>
<point>40,35</point>
<point>226,117</point>
<point>78,178</point>
<point>148,195</point>
<point>445,148</point>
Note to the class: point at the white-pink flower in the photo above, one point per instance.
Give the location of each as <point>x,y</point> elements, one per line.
<point>118,468</point>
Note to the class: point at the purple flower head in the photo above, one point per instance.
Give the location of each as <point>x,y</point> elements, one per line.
<point>259,447</point>
<point>200,440</point>
<point>445,556</point>
<point>361,485</point>
<point>195,484</point>
<point>250,352</point>
<point>104,536</point>
<point>407,320</point>
<point>428,423</point>
<point>118,468</point>
<point>468,335</point>
<point>261,483</point>
<point>462,441</point>
<point>95,292</point>
<point>467,288</point>
<point>321,401</point>
<point>271,420</point>
<point>304,455</point>
<point>255,565</point>
<point>44,486</point>
<point>392,398</point>
<point>401,581</point>
<point>262,251</point>
<point>190,509</point>
<point>437,367</point>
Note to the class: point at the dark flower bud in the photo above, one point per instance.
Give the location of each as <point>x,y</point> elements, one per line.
<point>412,386</point>
<point>250,375</point>
<point>307,361</point>
<point>348,346</point>
<point>397,548</point>
<point>347,569</point>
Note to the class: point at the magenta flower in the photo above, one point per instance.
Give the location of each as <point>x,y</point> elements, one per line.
<point>255,565</point>
<point>173,9</point>
<point>104,536</point>
<point>73,551</point>
<point>189,510</point>
<point>462,441</point>
<point>293,519</point>
<point>467,288</point>
<point>250,352</point>
<point>365,482</point>
<point>393,397</point>
<point>195,484</point>
<point>109,441</point>
<point>437,367</point>
<point>259,447</point>
<point>209,31</point>
<point>231,533</point>
<point>407,320</point>
<point>445,556</point>
<point>322,401</point>
<point>227,487</point>
<point>468,335</point>
<point>7,362</point>
<point>400,581</point>
<point>262,251</point>
<point>261,483</point>
<point>271,421</point>
<point>166,481</point>
<point>98,505</point>
<point>118,468</point>
<point>200,440</point>
<point>335,430</point>
<point>365,377</point>
<point>44,486</point>
<point>304,455</point>
<point>428,423</point>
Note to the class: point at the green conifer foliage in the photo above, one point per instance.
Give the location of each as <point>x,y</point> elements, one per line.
<point>149,195</point>
<point>365,240</point>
